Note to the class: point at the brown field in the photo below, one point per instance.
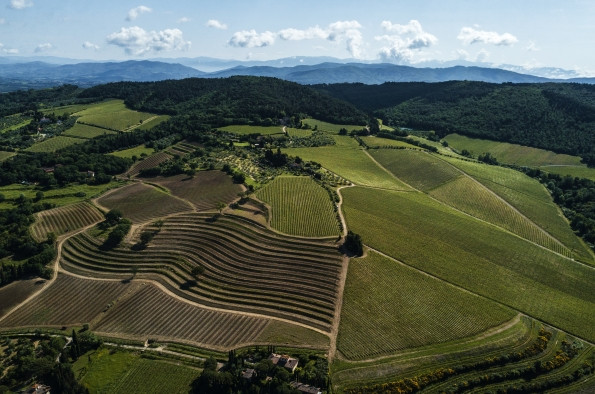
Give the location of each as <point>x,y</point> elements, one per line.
<point>14,293</point>
<point>204,190</point>
<point>150,313</point>
<point>247,267</point>
<point>64,219</point>
<point>149,162</point>
<point>68,301</point>
<point>142,203</point>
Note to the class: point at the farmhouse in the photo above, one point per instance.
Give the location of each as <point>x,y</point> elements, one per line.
<point>284,361</point>
<point>305,388</point>
<point>248,373</point>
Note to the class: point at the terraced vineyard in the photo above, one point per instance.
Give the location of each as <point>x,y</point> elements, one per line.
<point>388,307</point>
<point>14,293</point>
<point>204,190</point>
<point>64,219</point>
<point>295,201</point>
<point>247,267</point>
<point>141,203</point>
<point>149,162</point>
<point>427,235</point>
<point>152,313</point>
<point>68,301</point>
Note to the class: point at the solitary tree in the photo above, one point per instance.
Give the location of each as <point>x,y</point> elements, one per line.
<point>220,206</point>
<point>353,244</point>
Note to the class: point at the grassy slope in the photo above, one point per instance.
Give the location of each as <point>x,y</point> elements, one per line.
<point>530,198</point>
<point>428,235</point>
<point>348,160</point>
<point>388,307</point>
<point>53,144</point>
<point>331,127</point>
<point>86,131</point>
<point>112,114</point>
<point>295,201</point>
<point>6,155</point>
<point>136,151</point>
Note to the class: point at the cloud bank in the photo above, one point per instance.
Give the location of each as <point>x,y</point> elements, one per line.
<point>214,23</point>
<point>137,41</point>
<point>136,11</point>
<point>20,4</point>
<point>340,31</point>
<point>43,47</point>
<point>403,41</point>
<point>470,35</point>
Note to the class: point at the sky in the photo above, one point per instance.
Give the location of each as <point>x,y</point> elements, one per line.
<point>528,33</point>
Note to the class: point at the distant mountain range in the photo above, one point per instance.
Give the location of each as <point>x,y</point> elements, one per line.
<point>16,75</point>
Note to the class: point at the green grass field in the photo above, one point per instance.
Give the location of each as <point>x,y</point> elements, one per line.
<point>53,144</point>
<point>421,170</point>
<point>348,160</point>
<point>295,202</point>
<point>574,171</point>
<point>6,155</point>
<point>112,114</point>
<point>84,131</point>
<point>60,197</point>
<point>511,153</point>
<point>152,122</point>
<point>530,198</point>
<point>377,142</point>
<point>427,235</point>
<point>246,129</point>
<point>66,109</point>
<point>388,307</point>
<point>331,127</point>
<point>136,151</point>
<point>105,371</point>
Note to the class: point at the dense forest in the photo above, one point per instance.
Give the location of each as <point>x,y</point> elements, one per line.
<point>554,116</point>
<point>243,100</point>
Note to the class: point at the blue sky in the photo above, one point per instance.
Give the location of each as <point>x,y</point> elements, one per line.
<point>529,33</point>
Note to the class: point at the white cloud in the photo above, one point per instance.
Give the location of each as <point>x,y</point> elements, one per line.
<point>470,35</point>
<point>137,41</point>
<point>216,24</point>
<point>341,31</point>
<point>184,20</point>
<point>43,47</point>
<point>20,4</point>
<point>10,51</point>
<point>251,39</point>
<point>532,47</point>
<point>2,21</point>
<point>90,45</point>
<point>136,11</point>
<point>404,41</point>
<point>482,56</point>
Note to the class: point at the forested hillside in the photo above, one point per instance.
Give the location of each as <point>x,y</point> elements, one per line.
<point>242,100</point>
<point>557,117</point>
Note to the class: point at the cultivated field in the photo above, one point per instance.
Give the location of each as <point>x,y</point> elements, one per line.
<point>16,292</point>
<point>136,151</point>
<point>245,129</point>
<point>418,169</point>
<point>68,301</point>
<point>389,307</point>
<point>433,238</point>
<point>64,219</point>
<point>6,155</point>
<point>149,162</point>
<point>530,198</point>
<point>113,115</point>
<point>152,122</point>
<point>141,203</point>
<point>511,153</point>
<point>377,142</point>
<point>246,267</point>
<point>204,190</point>
<point>67,109</point>
<point>348,160</point>
<point>84,131</point>
<point>151,313</point>
<point>105,371</point>
<point>53,144</point>
<point>331,127</point>
<point>295,201</point>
